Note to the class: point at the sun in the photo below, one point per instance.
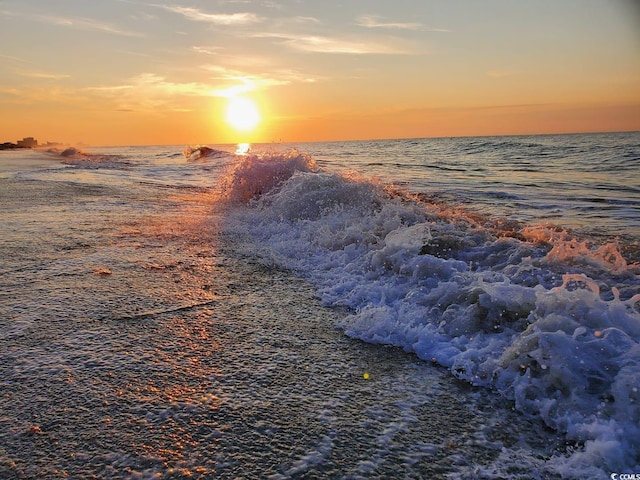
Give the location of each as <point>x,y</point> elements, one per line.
<point>242,114</point>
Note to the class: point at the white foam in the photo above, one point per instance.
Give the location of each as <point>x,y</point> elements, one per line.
<point>555,326</point>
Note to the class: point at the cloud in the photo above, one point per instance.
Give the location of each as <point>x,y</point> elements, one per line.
<point>238,82</point>
<point>207,50</point>
<point>81,23</point>
<point>9,91</point>
<point>243,82</point>
<point>300,19</point>
<point>372,21</point>
<point>151,92</point>
<point>86,24</point>
<point>14,59</point>
<point>322,44</point>
<point>45,94</point>
<point>272,4</point>
<point>157,85</point>
<point>43,75</point>
<point>146,92</point>
<point>244,18</point>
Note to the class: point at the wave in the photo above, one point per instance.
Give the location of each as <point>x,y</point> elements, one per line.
<point>548,321</point>
<point>199,152</point>
<point>80,158</point>
<point>257,175</point>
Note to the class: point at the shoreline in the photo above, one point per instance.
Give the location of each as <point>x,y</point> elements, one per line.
<point>24,159</point>
<point>102,376</point>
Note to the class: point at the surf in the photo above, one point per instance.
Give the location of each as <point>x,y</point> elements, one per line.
<point>549,321</point>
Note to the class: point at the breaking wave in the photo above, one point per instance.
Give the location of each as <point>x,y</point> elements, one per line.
<point>199,152</point>
<point>549,321</point>
<point>77,157</point>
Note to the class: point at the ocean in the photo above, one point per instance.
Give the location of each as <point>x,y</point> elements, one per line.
<point>417,308</point>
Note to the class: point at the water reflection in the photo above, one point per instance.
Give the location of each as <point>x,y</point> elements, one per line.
<point>243,148</point>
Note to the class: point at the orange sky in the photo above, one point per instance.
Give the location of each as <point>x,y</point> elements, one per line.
<point>134,72</point>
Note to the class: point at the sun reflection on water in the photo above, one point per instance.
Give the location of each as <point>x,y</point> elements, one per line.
<point>243,148</point>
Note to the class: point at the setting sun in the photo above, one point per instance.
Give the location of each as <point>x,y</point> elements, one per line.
<point>242,114</point>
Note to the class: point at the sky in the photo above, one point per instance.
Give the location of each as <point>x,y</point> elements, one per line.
<point>138,72</point>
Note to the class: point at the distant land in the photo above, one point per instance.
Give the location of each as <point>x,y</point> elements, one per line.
<point>26,142</point>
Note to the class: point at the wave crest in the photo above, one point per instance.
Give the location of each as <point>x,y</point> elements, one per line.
<point>80,158</point>
<point>257,175</point>
<point>198,152</point>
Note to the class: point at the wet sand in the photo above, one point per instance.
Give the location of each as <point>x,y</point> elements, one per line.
<point>135,342</point>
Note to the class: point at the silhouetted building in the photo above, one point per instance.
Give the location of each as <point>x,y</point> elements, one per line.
<point>27,142</point>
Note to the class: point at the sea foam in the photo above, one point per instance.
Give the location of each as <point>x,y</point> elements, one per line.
<point>548,321</point>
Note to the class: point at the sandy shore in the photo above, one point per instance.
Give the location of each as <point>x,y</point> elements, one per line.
<point>136,343</point>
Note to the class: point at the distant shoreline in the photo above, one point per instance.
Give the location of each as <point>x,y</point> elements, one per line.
<point>27,143</point>
<point>13,147</point>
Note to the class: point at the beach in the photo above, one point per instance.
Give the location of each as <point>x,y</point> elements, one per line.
<point>147,332</point>
<point>164,358</point>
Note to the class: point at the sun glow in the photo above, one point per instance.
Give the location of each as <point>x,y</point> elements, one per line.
<point>242,114</point>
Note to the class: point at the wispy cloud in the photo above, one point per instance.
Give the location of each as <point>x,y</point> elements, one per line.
<point>375,21</point>
<point>14,59</point>
<point>151,92</point>
<point>80,23</point>
<point>207,50</point>
<point>157,85</point>
<point>45,94</point>
<point>265,3</point>
<point>86,24</point>
<point>43,75</point>
<point>300,19</point>
<point>243,18</point>
<point>323,44</point>
<point>9,90</point>
<point>244,82</point>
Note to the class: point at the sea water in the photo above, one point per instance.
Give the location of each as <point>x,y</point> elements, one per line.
<point>167,314</point>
